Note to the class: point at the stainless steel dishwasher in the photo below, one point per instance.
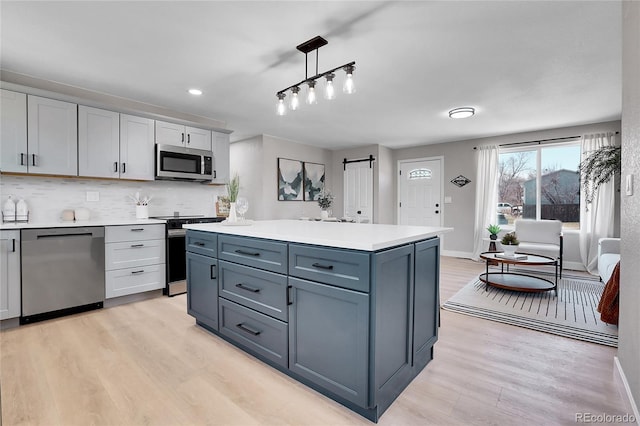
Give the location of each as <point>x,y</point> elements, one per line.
<point>62,271</point>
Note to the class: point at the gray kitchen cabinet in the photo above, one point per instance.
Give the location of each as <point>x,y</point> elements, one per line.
<point>329,338</point>
<point>9,274</point>
<point>136,148</point>
<point>99,143</point>
<point>181,135</point>
<point>13,132</point>
<point>52,136</point>
<point>202,289</point>
<point>220,148</point>
<point>361,324</point>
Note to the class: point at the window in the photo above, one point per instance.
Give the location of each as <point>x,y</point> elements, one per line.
<point>420,174</point>
<point>540,182</point>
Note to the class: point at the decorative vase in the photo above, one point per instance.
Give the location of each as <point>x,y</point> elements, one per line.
<point>324,214</point>
<point>142,212</point>
<point>493,237</point>
<point>509,249</point>
<point>233,216</point>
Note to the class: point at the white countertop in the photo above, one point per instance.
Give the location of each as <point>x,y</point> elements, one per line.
<point>77,223</point>
<point>357,236</point>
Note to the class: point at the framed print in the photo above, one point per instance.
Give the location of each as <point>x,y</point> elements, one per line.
<point>313,181</point>
<point>290,180</point>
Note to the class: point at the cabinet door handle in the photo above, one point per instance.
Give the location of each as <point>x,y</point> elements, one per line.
<point>33,159</point>
<point>248,253</point>
<point>214,174</point>
<point>137,272</point>
<point>289,295</point>
<point>199,244</point>
<point>22,158</point>
<point>246,329</point>
<point>13,241</point>
<point>115,166</point>
<point>213,272</point>
<point>188,137</point>
<point>248,288</point>
<point>182,141</point>
<point>124,167</point>
<point>321,266</point>
<point>137,229</point>
<point>137,245</point>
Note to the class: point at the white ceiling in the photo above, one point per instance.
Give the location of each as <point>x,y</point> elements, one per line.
<point>524,65</point>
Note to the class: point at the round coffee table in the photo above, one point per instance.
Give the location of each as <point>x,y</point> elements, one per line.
<point>518,281</point>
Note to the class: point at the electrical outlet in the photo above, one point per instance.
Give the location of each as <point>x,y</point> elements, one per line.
<point>93,196</point>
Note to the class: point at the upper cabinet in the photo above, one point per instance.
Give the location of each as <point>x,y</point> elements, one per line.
<point>221,169</point>
<point>13,131</point>
<point>179,135</point>
<point>52,136</point>
<point>99,143</point>
<point>136,148</point>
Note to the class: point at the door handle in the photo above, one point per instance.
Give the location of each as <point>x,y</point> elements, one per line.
<point>124,167</point>
<point>213,276</point>
<point>182,141</point>
<point>13,240</point>
<point>437,205</point>
<point>188,138</point>
<point>437,211</point>
<point>22,158</point>
<point>115,166</point>
<point>33,159</point>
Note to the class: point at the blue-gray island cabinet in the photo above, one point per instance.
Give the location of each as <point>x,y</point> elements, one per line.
<point>355,324</point>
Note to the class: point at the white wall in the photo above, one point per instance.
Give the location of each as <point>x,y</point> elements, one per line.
<point>256,161</point>
<point>48,196</point>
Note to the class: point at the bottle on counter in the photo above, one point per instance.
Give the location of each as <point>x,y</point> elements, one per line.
<point>22,211</point>
<point>9,210</point>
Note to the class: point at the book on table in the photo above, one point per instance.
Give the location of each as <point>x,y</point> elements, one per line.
<point>515,256</point>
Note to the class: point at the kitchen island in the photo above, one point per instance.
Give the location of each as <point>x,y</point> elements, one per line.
<point>351,310</point>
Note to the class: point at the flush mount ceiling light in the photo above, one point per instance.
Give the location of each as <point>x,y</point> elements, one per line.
<point>463,112</point>
<point>196,92</point>
<point>329,90</point>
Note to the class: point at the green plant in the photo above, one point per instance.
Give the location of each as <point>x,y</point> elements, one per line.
<point>233,187</point>
<point>494,229</point>
<point>598,168</point>
<point>510,239</point>
<point>325,200</point>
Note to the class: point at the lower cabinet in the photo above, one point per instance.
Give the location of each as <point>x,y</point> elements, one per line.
<point>357,326</point>
<point>10,303</point>
<point>202,289</point>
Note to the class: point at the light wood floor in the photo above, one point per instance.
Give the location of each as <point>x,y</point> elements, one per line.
<point>147,363</point>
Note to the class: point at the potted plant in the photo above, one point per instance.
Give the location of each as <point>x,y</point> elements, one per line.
<point>509,243</point>
<point>598,168</point>
<point>324,201</point>
<point>493,231</point>
<point>233,187</point>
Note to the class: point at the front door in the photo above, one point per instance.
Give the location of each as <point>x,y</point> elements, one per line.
<point>420,192</point>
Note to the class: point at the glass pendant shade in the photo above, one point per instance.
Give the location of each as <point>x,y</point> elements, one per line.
<point>349,86</point>
<point>281,108</point>
<point>295,100</point>
<point>329,89</point>
<point>311,93</point>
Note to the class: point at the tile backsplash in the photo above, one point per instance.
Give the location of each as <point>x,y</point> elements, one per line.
<point>47,197</point>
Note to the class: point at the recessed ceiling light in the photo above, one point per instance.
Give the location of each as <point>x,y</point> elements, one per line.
<point>195,91</point>
<point>462,112</point>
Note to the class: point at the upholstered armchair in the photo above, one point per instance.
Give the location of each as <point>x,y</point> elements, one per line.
<point>542,237</point>
<point>608,256</point>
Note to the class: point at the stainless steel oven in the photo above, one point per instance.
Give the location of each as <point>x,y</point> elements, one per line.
<point>176,251</point>
<point>181,163</point>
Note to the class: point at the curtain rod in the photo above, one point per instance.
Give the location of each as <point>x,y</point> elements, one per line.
<point>539,142</point>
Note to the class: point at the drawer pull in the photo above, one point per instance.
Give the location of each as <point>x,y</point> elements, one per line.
<point>137,229</point>
<point>137,272</point>
<point>213,272</point>
<point>248,288</point>
<point>246,329</point>
<point>248,253</point>
<point>199,244</point>
<point>137,245</point>
<point>321,266</point>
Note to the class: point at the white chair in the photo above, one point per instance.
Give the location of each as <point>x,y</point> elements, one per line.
<point>608,256</point>
<point>542,237</point>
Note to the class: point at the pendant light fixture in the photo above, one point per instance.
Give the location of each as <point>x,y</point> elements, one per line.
<point>329,89</point>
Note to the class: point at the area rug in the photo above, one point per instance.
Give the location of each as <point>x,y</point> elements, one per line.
<point>572,313</point>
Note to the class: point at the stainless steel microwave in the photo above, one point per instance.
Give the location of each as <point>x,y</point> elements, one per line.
<point>181,163</point>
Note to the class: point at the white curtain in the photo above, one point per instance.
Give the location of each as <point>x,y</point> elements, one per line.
<point>596,218</point>
<point>486,196</point>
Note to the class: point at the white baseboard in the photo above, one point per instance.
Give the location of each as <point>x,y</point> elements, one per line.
<point>625,391</point>
<point>461,254</point>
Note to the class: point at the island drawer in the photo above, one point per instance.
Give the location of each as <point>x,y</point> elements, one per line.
<point>255,331</point>
<point>134,253</point>
<point>259,253</point>
<point>120,233</point>
<point>204,243</point>
<point>342,268</point>
<point>263,291</point>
